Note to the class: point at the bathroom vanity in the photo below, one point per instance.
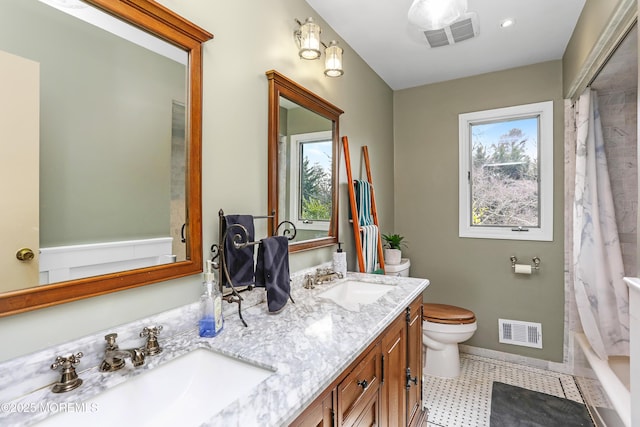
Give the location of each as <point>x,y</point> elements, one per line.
<point>315,363</point>
<point>383,386</point>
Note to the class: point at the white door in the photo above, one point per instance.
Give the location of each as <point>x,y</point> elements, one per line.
<point>19,170</point>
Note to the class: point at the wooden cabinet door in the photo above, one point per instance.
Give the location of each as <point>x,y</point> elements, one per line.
<point>415,415</point>
<point>318,414</point>
<point>393,392</point>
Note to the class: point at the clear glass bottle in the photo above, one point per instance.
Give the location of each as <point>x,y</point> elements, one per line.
<point>210,322</point>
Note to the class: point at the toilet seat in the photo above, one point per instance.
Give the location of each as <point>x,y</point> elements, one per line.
<point>447,314</point>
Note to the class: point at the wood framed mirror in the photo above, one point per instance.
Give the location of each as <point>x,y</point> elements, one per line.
<point>303,158</point>
<point>156,25</point>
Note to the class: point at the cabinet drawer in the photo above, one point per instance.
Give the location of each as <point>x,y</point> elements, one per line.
<point>370,414</point>
<point>359,387</point>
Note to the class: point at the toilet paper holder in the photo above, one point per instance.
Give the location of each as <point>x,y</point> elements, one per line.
<point>534,266</point>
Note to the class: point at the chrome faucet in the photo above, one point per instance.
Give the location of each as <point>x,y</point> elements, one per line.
<point>322,275</point>
<point>114,357</point>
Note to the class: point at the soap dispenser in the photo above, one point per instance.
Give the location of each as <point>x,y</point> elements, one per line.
<point>340,261</point>
<point>210,321</point>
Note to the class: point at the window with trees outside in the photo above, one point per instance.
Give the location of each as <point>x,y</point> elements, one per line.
<point>506,173</point>
<point>310,186</point>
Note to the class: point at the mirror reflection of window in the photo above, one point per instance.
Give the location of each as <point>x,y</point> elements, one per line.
<point>311,192</point>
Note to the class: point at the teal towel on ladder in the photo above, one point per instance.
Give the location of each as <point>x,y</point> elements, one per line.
<point>368,230</point>
<point>363,202</point>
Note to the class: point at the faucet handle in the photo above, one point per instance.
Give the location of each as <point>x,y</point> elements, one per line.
<point>69,379</point>
<point>152,347</point>
<point>72,360</point>
<point>111,339</point>
<point>309,281</point>
<point>151,332</point>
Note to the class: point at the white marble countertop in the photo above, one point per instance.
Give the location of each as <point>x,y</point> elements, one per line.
<point>307,346</point>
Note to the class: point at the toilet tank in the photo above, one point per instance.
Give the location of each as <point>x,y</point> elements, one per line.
<point>401,269</point>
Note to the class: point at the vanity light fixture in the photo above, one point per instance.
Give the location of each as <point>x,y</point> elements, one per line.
<point>307,37</point>
<point>333,60</point>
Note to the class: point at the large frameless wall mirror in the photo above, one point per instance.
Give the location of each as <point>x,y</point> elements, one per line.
<point>303,162</point>
<point>101,148</point>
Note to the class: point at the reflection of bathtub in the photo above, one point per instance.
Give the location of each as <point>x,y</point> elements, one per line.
<point>634,333</point>
<point>61,263</point>
<point>614,380</point>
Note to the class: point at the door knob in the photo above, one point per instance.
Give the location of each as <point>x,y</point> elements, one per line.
<point>25,254</point>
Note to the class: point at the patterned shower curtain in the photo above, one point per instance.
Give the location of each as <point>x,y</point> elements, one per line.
<point>601,295</point>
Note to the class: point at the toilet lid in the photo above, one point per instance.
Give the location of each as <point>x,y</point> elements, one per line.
<point>447,314</point>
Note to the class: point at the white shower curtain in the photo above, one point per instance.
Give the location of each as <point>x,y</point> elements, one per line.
<point>601,295</point>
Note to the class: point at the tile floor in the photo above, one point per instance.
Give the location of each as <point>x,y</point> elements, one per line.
<point>466,401</point>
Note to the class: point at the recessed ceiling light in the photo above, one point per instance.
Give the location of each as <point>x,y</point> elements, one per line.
<point>508,22</point>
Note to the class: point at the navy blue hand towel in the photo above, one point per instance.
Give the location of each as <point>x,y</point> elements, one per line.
<point>239,261</point>
<point>272,271</point>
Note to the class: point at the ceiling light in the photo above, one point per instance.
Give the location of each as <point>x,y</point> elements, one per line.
<point>435,14</point>
<point>508,22</point>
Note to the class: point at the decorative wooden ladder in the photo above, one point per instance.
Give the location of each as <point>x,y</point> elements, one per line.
<point>354,209</point>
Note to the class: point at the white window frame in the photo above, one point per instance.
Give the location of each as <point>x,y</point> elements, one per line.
<point>543,110</point>
<point>294,180</point>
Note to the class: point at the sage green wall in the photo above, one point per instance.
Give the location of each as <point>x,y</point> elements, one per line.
<point>593,19</point>
<point>250,38</point>
<point>301,120</point>
<point>476,273</point>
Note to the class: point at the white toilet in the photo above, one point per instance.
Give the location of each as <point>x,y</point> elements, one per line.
<point>398,270</point>
<point>443,327</point>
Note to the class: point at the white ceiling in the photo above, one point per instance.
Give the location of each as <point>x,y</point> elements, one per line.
<point>379,32</point>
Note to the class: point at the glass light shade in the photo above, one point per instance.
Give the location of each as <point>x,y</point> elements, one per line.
<point>309,40</point>
<point>436,14</point>
<point>333,60</point>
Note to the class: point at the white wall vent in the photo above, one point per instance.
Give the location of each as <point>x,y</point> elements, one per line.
<point>516,332</point>
<point>463,29</point>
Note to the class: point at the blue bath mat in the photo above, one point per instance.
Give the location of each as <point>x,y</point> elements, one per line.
<point>513,406</point>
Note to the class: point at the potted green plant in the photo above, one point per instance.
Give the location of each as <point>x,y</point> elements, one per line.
<point>393,248</point>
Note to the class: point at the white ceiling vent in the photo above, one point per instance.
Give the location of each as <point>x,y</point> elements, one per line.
<point>463,29</point>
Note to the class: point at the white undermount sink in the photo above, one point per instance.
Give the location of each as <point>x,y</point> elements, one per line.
<point>185,391</point>
<point>352,293</point>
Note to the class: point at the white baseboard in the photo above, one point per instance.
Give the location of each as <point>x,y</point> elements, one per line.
<point>562,368</point>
